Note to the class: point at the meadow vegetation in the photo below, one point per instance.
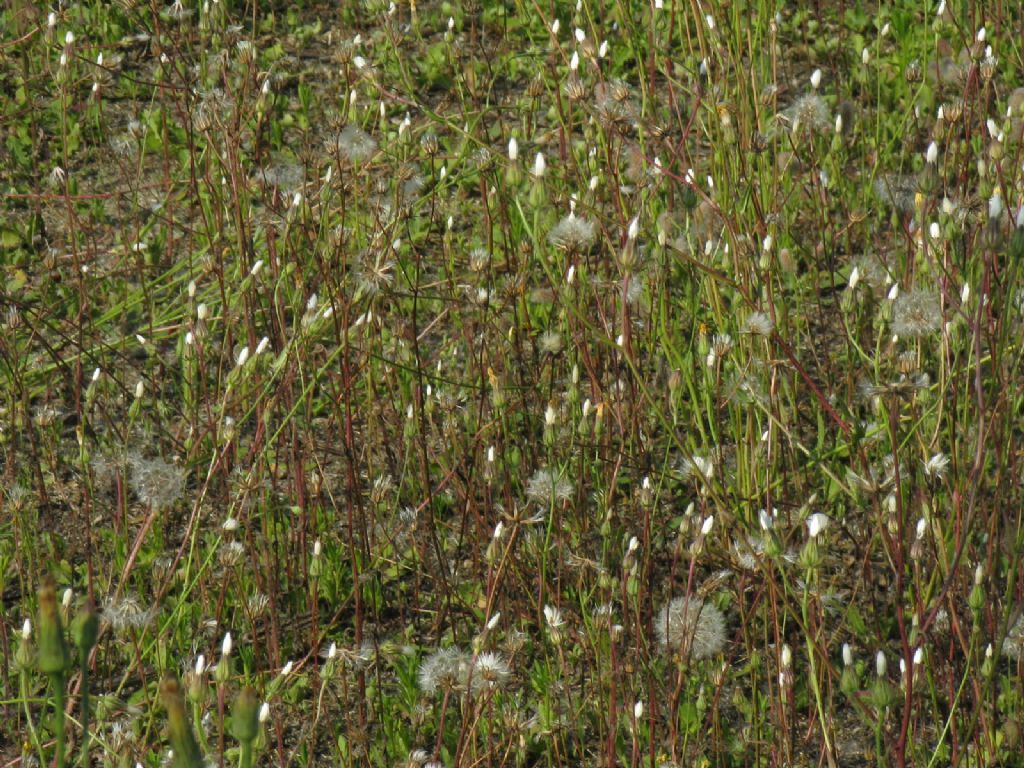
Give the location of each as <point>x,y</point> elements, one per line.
<point>511,383</point>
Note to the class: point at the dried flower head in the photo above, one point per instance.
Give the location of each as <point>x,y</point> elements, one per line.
<point>1013,644</point>
<point>916,313</point>
<point>809,113</point>
<point>490,672</point>
<point>444,669</point>
<point>898,190</point>
<point>573,234</point>
<point>354,144</point>
<point>127,613</point>
<point>759,324</point>
<point>156,482</point>
<point>689,627</point>
<point>548,487</point>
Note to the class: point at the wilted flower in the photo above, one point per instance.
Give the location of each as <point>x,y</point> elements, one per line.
<point>690,627</point>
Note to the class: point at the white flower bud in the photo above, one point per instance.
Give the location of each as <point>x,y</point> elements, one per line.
<point>539,165</point>
<point>709,522</point>
<point>816,524</point>
<point>880,664</point>
<point>638,710</point>
<point>854,278</point>
<point>264,712</point>
<point>26,630</point>
<point>140,389</point>
<point>634,228</point>
<point>995,207</point>
<point>847,655</point>
<point>931,155</point>
<point>225,646</point>
<point>816,78</point>
<point>513,149</point>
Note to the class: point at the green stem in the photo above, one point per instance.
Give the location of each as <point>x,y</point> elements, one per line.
<point>811,650</point>
<point>57,682</point>
<point>245,754</point>
<point>23,684</point>
<point>85,712</point>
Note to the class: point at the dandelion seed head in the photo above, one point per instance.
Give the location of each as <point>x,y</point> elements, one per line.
<point>548,487</point>
<point>573,234</point>
<point>916,313</point>
<point>811,113</point>
<point>354,144</point>
<point>444,669</point>
<point>759,324</point>
<point>156,482</point>
<point>490,672</point>
<point>689,626</point>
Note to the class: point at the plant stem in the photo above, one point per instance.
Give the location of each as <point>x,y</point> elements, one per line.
<point>57,682</point>
<point>85,711</point>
